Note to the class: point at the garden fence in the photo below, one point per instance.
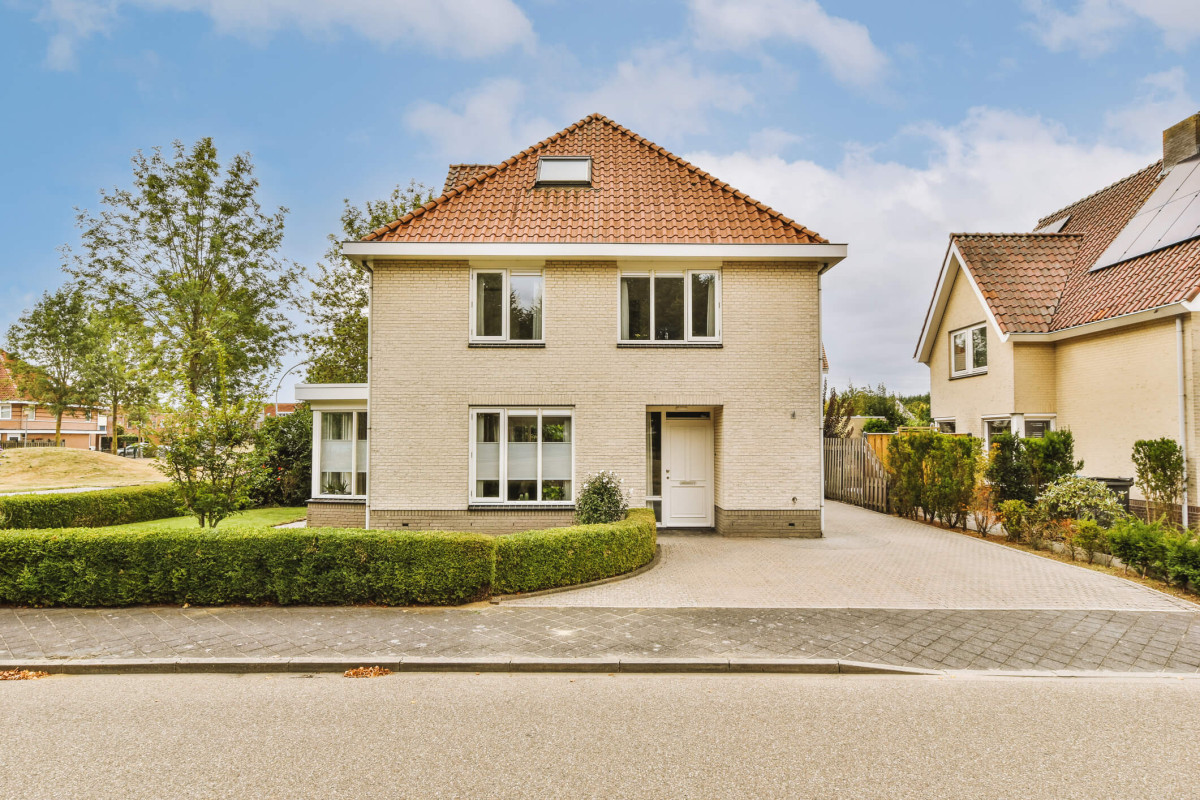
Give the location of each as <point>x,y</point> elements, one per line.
<point>854,474</point>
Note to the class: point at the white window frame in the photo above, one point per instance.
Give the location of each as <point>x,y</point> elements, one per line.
<point>508,273</point>
<point>1050,420</point>
<point>584,181</point>
<point>5,410</point>
<point>987,431</point>
<point>686,274</point>
<point>318,437</point>
<point>971,368</point>
<point>102,423</point>
<point>939,420</point>
<point>520,411</point>
<point>31,413</point>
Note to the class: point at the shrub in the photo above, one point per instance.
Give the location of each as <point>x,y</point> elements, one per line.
<point>555,557</point>
<point>1090,538</point>
<point>1008,470</point>
<point>602,499</point>
<point>1160,471</point>
<point>878,426</point>
<point>934,473</point>
<point>1014,518</point>
<point>90,509</point>
<point>284,458</point>
<point>1074,497</point>
<point>1183,558</point>
<point>1141,545</point>
<point>1050,458</point>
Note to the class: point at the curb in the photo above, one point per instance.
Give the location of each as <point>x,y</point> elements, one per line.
<point>142,666</point>
<point>497,599</point>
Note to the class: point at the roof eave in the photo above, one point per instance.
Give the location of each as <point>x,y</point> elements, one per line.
<point>366,252</point>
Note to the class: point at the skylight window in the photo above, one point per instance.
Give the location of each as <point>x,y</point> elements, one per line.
<point>564,171</point>
<point>1170,216</point>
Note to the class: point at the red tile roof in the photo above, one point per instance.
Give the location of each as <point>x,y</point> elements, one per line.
<point>640,193</point>
<point>1036,283</point>
<point>461,173</point>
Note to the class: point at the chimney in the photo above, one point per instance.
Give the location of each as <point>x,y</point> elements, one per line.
<point>1181,141</point>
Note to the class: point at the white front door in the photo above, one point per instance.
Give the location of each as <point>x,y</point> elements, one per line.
<point>687,455</point>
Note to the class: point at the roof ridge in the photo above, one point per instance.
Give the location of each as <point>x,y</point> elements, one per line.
<point>1049,234</point>
<point>492,171</point>
<point>1050,217</point>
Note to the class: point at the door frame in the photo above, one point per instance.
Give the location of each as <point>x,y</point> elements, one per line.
<point>710,464</point>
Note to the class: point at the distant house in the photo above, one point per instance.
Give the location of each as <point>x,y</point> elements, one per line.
<point>278,409</point>
<point>23,420</point>
<point>592,303</point>
<point>1088,322</point>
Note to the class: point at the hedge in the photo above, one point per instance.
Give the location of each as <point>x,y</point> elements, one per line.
<point>298,566</point>
<point>90,509</point>
<point>547,559</point>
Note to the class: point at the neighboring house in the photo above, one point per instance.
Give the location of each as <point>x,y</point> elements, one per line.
<point>278,409</point>
<point>592,303</point>
<point>1087,323</point>
<point>22,420</point>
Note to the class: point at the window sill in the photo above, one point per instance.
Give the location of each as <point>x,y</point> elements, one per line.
<point>337,499</point>
<point>520,507</point>
<point>517,345</point>
<point>670,345</point>
<point>969,375</point>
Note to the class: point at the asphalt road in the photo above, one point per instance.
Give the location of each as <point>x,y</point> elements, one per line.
<point>549,736</point>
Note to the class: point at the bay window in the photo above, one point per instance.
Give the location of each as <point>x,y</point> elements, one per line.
<point>968,351</point>
<point>341,454</point>
<point>522,455</point>
<point>663,306</point>
<point>506,305</point>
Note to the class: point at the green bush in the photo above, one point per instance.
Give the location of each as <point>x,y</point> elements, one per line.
<point>546,559</point>
<point>1141,545</point>
<point>1090,538</point>
<point>1014,518</point>
<point>284,456</point>
<point>1160,473</point>
<point>1075,497</point>
<point>1183,558</point>
<point>602,499</point>
<point>296,566</point>
<point>878,426</point>
<point>90,509</point>
<point>933,473</point>
<point>1008,470</point>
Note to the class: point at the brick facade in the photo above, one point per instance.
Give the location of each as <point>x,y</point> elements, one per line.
<point>337,514</point>
<point>763,384</point>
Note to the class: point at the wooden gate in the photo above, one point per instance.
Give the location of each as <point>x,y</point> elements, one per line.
<point>854,474</point>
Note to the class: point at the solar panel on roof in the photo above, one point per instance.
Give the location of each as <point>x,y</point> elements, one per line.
<point>1169,216</point>
<point>1054,227</point>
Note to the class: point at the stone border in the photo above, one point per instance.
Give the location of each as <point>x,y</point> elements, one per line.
<point>129,666</point>
<point>497,599</point>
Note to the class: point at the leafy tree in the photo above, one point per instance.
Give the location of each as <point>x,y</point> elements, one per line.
<point>337,309</point>
<point>838,411</point>
<point>190,249</point>
<point>1008,470</point>
<point>918,406</point>
<point>209,452</point>
<point>285,459</point>
<point>877,426</point>
<point>116,370</point>
<point>49,346</point>
<point>878,402</point>
<point>1160,473</point>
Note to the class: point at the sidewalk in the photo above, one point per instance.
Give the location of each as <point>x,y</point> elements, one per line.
<point>268,637</point>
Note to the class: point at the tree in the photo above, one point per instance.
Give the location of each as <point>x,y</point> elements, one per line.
<point>1160,473</point>
<point>337,308</point>
<point>49,346</point>
<point>116,370</point>
<point>878,402</point>
<point>837,413</point>
<point>284,459</point>
<point>208,452</point>
<point>190,250</point>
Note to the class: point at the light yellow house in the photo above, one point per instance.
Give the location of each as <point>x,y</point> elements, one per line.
<point>592,303</point>
<point>1087,323</point>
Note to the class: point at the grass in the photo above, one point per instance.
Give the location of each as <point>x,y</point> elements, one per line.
<point>36,468</point>
<point>256,516</point>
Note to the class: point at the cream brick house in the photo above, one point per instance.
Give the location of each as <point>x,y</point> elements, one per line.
<point>592,303</point>
<point>1087,323</point>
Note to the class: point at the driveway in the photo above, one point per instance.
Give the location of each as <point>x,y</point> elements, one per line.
<point>866,560</point>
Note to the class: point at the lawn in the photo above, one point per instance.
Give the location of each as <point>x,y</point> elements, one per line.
<point>257,516</point>
<point>34,468</point>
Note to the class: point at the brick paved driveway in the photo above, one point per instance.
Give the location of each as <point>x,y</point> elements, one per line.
<point>866,560</point>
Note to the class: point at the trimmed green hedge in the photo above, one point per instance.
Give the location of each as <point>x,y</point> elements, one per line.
<point>297,566</point>
<point>90,509</point>
<point>547,559</point>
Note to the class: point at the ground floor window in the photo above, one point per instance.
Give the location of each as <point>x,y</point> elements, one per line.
<point>946,426</point>
<point>342,456</point>
<point>522,455</point>
<point>995,427</point>
<point>1037,428</point>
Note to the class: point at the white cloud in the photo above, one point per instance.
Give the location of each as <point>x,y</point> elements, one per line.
<point>468,28</point>
<point>994,171</point>
<point>1093,26</point>
<point>1163,101</point>
<point>489,124</point>
<point>659,89</point>
<point>843,45</point>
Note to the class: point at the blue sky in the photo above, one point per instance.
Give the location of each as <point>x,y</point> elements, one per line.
<point>885,125</point>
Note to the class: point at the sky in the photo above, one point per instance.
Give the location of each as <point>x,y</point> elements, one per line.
<point>882,125</point>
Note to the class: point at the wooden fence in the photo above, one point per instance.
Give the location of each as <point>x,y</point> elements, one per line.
<point>854,474</point>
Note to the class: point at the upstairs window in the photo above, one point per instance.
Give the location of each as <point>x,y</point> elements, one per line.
<point>31,413</point>
<point>663,306</point>
<point>968,351</point>
<point>506,306</point>
<point>5,411</point>
<point>564,171</point>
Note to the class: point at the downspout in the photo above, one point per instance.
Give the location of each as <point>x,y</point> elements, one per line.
<point>1183,506</point>
<point>820,395</point>
<point>370,416</point>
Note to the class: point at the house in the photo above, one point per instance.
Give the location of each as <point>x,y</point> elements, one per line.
<point>278,409</point>
<point>1088,322</point>
<point>592,303</point>
<point>22,420</point>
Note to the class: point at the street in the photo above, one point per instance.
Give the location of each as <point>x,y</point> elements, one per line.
<point>505,735</point>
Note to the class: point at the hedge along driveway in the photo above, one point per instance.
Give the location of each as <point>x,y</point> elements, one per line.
<point>83,567</point>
